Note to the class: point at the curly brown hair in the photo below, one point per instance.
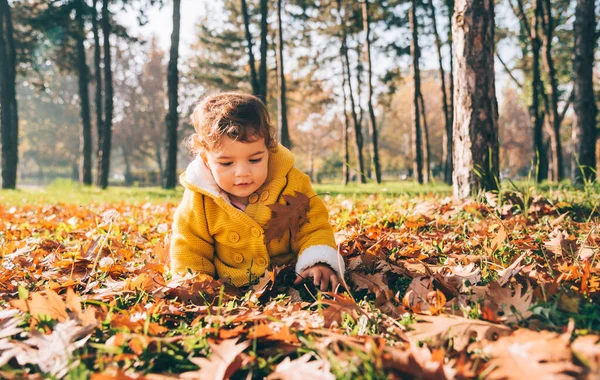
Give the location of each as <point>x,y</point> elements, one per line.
<point>239,116</point>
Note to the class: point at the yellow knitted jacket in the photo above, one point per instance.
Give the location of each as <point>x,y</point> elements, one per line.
<point>211,236</point>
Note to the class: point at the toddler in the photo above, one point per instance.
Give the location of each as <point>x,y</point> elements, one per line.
<point>240,170</point>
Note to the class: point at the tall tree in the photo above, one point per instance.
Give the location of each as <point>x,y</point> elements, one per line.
<point>447,133</point>
<point>425,141</point>
<point>553,117</point>
<point>282,124</point>
<point>372,122</point>
<point>358,137</point>
<point>102,180</point>
<point>417,145</point>
<point>253,77</point>
<point>583,164</point>
<point>98,88</point>
<point>9,119</point>
<point>476,109</point>
<point>172,119</point>
<point>345,129</point>
<point>262,68</point>
<point>85,149</point>
<point>448,144</point>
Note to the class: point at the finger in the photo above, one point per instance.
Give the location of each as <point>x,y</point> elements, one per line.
<point>324,283</point>
<point>334,282</point>
<point>317,277</point>
<point>301,277</point>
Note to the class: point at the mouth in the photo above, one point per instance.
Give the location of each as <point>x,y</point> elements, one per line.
<point>243,184</point>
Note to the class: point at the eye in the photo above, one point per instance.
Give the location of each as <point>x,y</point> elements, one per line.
<point>256,160</point>
<point>225,163</point>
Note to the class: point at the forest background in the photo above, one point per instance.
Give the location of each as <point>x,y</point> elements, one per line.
<point>316,86</point>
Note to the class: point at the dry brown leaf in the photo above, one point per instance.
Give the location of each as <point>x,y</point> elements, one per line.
<point>51,305</point>
<point>439,329</point>
<point>218,364</point>
<point>587,349</point>
<point>287,217</point>
<point>508,307</point>
<point>302,369</point>
<point>529,354</point>
<point>417,362</point>
<point>422,297</point>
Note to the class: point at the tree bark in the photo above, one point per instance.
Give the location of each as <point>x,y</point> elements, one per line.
<point>476,161</point>
<point>108,101</point>
<point>98,94</point>
<point>85,138</point>
<point>172,118</point>
<point>358,136</point>
<point>425,140</point>
<point>553,116</point>
<point>583,163</point>
<point>372,121</point>
<point>447,135</point>
<point>282,124</point>
<point>417,144</point>
<point>253,78</point>
<point>262,69</point>
<point>449,141</point>
<point>345,128</point>
<point>9,118</point>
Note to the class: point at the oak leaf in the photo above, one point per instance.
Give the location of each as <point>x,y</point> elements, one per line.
<point>287,217</point>
<point>301,369</point>
<point>220,364</point>
<point>528,354</point>
<point>51,305</point>
<point>439,329</point>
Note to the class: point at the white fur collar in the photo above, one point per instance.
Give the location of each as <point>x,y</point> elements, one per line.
<point>198,174</point>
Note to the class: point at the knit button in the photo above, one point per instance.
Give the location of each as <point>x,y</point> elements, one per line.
<point>253,198</point>
<point>237,258</point>
<point>255,231</point>
<point>264,196</point>
<point>262,262</point>
<point>234,237</point>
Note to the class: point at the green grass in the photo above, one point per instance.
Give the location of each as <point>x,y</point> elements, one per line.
<point>73,193</point>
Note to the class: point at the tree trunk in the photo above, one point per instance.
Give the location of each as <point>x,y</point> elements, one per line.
<point>108,101</point>
<point>98,79</point>
<point>425,140</point>
<point>417,145</point>
<point>540,158</point>
<point>253,78</point>
<point>372,121</point>
<point>557,167</point>
<point>584,129</point>
<point>262,69</point>
<point>448,161</point>
<point>9,118</point>
<point>282,125</point>
<point>476,109</point>
<point>345,128</point>
<point>85,139</point>
<point>447,135</point>
<point>172,118</point>
<point>357,131</point>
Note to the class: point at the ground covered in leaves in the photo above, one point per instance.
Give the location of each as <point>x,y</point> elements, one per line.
<point>500,287</point>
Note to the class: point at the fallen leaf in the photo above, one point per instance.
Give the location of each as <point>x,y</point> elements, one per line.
<point>287,217</point>
<point>439,329</point>
<point>301,369</point>
<point>218,363</point>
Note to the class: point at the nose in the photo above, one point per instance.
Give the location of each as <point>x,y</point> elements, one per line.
<point>242,170</point>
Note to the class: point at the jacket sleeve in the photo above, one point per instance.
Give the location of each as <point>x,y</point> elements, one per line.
<point>314,242</point>
<point>192,247</point>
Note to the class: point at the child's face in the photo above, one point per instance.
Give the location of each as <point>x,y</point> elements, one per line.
<point>239,168</point>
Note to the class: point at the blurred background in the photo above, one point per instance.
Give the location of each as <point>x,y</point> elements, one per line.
<point>72,55</point>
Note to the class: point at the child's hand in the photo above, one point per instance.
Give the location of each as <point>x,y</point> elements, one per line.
<point>322,276</point>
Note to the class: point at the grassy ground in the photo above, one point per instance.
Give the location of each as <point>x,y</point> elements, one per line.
<point>73,193</point>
